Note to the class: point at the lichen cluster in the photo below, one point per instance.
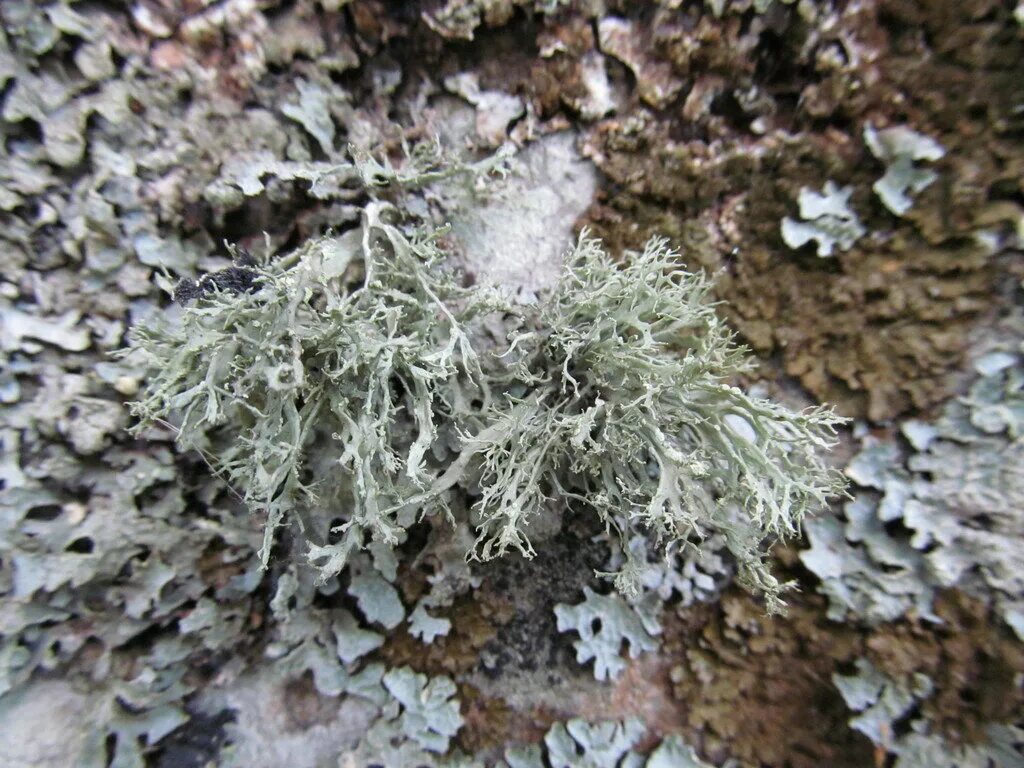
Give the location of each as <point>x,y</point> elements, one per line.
<point>850,173</point>
<point>955,488</point>
<point>349,380</point>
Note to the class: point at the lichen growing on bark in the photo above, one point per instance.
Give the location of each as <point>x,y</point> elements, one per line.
<point>139,137</point>
<point>613,392</point>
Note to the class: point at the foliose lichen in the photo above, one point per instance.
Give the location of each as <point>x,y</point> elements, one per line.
<point>607,744</point>
<point>884,706</point>
<point>827,218</point>
<point>937,511</point>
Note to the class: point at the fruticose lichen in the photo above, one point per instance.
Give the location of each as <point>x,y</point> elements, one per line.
<point>352,371</point>
<point>137,622</point>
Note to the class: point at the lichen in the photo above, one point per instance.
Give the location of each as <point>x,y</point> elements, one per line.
<point>827,218</point>
<point>612,393</point>
<point>956,493</point>
<point>883,706</point>
<point>899,147</point>
<point>604,625</point>
<point>137,622</point>
<point>605,744</point>
<point>756,689</point>
<point>270,364</point>
<point>880,329</point>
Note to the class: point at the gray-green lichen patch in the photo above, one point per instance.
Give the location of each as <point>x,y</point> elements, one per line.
<point>495,110</point>
<point>899,148</point>
<point>593,745</point>
<point>606,626</point>
<point>427,627</point>
<point>957,495</point>
<point>55,703</point>
<point>377,599</point>
<point>884,706</point>
<point>689,574</point>
<point>827,218</point>
<point>112,724</point>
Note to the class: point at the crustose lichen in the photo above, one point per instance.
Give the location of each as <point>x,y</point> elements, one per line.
<point>351,381</point>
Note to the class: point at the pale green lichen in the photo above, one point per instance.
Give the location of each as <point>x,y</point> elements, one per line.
<point>627,408</point>
<point>362,357</point>
<point>417,721</point>
<point>579,743</point>
<point>826,218</point>
<point>605,623</point>
<point>427,627</point>
<point>888,713</point>
<point>302,355</point>
<point>900,148</point>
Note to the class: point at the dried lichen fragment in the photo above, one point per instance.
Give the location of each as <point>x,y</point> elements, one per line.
<point>899,147</point>
<point>827,218</point>
<point>461,18</point>
<point>595,98</point>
